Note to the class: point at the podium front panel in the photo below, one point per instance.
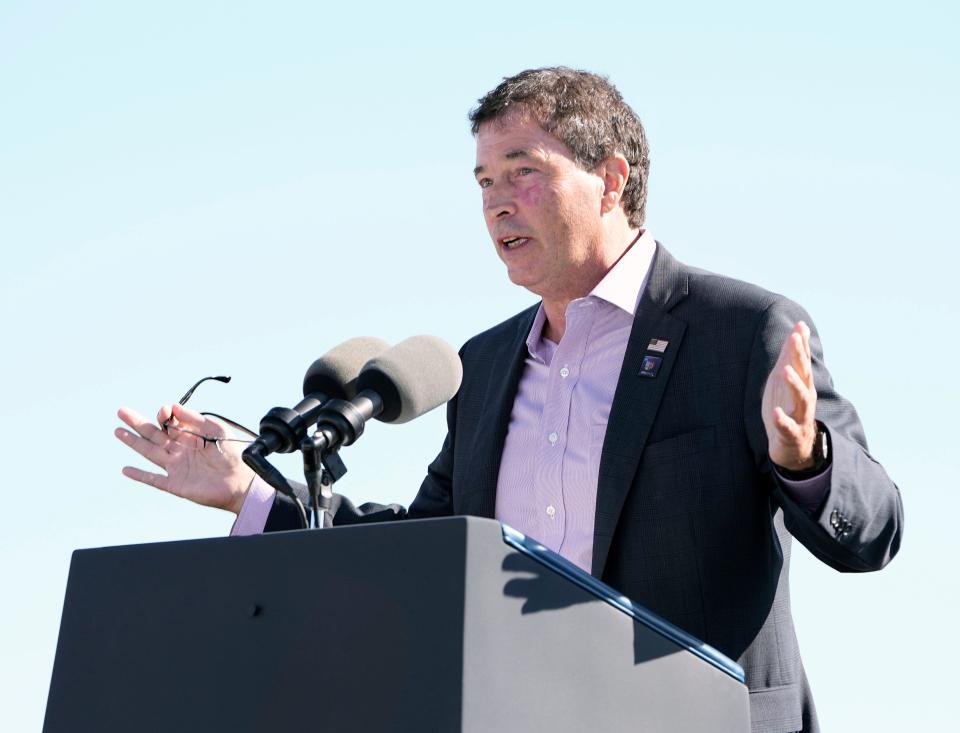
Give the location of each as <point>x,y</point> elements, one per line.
<point>420,625</point>
<point>351,628</point>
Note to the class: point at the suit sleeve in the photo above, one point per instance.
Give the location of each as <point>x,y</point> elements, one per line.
<point>859,526</point>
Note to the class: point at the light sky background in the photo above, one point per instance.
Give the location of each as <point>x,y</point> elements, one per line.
<point>233,188</point>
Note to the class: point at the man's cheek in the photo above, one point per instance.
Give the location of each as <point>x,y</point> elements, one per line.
<point>531,195</point>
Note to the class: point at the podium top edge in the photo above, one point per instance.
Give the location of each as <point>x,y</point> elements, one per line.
<point>604,592</point>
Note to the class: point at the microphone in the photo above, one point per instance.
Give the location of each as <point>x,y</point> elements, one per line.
<point>332,376</point>
<point>396,386</point>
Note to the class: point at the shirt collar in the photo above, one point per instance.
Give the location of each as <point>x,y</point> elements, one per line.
<point>622,287</point>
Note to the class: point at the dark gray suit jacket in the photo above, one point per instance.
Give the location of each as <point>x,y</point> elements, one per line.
<point>691,521</point>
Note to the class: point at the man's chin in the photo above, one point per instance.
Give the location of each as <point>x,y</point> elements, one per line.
<point>524,280</point>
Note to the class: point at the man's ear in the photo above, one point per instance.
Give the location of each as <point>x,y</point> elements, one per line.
<point>615,171</point>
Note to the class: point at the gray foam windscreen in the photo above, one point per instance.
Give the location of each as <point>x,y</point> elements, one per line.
<point>413,377</point>
<point>335,373</point>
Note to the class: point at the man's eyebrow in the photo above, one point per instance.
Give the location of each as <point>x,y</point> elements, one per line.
<point>510,155</point>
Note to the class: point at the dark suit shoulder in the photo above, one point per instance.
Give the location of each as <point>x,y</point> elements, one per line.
<point>506,332</point>
<point>691,292</point>
<point>710,288</point>
<point>751,319</point>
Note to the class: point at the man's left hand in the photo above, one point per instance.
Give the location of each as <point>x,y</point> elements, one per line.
<point>790,402</point>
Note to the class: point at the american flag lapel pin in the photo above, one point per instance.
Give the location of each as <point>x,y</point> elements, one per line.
<point>658,345</point>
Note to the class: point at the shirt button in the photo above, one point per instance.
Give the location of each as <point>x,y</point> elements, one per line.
<point>564,372</point>
<point>551,511</point>
<point>552,438</point>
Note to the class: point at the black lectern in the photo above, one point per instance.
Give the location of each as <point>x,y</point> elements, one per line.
<point>433,625</point>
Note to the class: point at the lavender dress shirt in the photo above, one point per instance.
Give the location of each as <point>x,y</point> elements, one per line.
<point>547,486</point>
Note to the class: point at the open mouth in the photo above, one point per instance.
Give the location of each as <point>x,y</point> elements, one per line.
<point>513,242</point>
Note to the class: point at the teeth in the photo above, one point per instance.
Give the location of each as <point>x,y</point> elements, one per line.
<point>513,242</point>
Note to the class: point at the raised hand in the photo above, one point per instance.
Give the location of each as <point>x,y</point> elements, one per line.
<point>790,402</point>
<point>207,472</point>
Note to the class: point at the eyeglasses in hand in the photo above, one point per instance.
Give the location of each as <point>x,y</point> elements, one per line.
<point>207,439</point>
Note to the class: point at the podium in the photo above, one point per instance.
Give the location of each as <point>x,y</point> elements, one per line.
<point>455,624</point>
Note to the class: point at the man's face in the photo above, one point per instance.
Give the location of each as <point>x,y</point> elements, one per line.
<point>542,210</point>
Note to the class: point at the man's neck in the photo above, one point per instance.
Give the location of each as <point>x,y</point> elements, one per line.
<point>555,309</point>
<point>556,320</point>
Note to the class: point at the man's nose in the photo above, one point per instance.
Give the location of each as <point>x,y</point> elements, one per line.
<point>499,207</point>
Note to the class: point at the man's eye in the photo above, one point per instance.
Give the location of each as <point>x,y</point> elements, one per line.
<point>485,182</point>
<point>525,171</point>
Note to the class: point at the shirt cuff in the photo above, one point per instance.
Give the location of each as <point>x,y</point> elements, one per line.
<point>808,493</point>
<point>256,507</point>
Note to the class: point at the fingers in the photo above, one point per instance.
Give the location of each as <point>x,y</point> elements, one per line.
<point>791,446</point>
<point>149,440</point>
<point>805,332</point>
<point>143,426</point>
<point>785,424</point>
<point>197,422</point>
<point>803,394</point>
<point>155,453</point>
<point>145,477</point>
<point>794,428</point>
<point>790,401</point>
<point>790,430</point>
<point>147,430</point>
<point>165,413</point>
<point>800,355</point>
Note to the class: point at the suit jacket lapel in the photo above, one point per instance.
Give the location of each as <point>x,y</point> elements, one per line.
<point>506,368</point>
<point>637,398</point>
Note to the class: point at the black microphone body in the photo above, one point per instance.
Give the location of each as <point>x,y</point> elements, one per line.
<point>341,422</point>
<point>334,375</point>
<point>394,385</point>
<point>282,429</point>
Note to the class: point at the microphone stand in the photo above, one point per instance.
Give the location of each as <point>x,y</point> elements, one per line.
<point>321,468</point>
<point>339,423</point>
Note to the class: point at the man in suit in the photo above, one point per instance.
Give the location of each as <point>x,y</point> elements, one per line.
<point>665,428</point>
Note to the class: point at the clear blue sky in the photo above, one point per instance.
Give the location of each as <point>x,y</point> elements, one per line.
<point>193,188</point>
